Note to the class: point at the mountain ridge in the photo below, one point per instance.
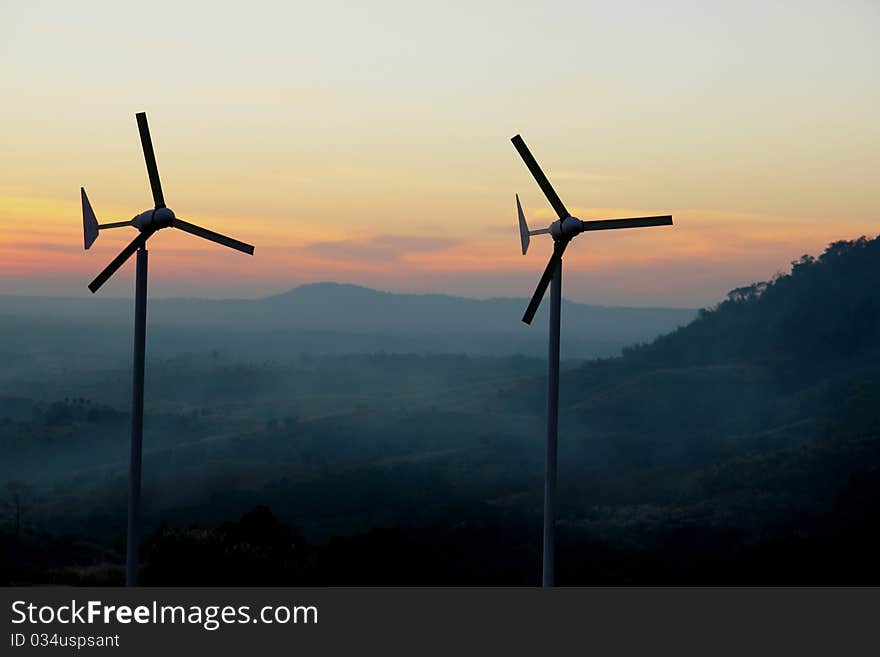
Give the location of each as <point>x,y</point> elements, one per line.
<point>394,322</point>
<point>327,285</point>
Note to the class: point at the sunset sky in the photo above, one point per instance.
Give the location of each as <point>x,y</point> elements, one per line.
<point>369,142</point>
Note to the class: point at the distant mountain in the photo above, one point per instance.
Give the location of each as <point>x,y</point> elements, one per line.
<point>335,317</point>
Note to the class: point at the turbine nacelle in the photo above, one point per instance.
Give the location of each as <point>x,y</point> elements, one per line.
<point>151,220</point>
<point>565,229</point>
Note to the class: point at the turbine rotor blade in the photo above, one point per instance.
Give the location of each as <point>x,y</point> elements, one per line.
<point>211,235</point>
<point>118,261</point>
<point>150,158</point>
<point>539,176</point>
<point>546,277</point>
<point>635,222</point>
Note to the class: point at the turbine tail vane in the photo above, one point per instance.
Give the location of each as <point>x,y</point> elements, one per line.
<point>90,221</point>
<point>523,227</point>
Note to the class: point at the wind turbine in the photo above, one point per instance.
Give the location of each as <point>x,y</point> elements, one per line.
<point>562,231</point>
<point>147,222</point>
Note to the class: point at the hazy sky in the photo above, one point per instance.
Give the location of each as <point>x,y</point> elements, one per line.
<point>369,142</point>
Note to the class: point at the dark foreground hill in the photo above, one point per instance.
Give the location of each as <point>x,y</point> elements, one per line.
<point>746,443</point>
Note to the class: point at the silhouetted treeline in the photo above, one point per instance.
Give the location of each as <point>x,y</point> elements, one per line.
<point>825,308</point>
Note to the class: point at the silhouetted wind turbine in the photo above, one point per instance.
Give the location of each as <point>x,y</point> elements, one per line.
<point>147,223</point>
<point>562,232</point>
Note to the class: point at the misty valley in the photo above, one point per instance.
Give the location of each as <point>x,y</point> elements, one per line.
<point>302,440</point>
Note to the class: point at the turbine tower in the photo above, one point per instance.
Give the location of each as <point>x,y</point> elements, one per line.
<point>562,231</point>
<point>147,222</point>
